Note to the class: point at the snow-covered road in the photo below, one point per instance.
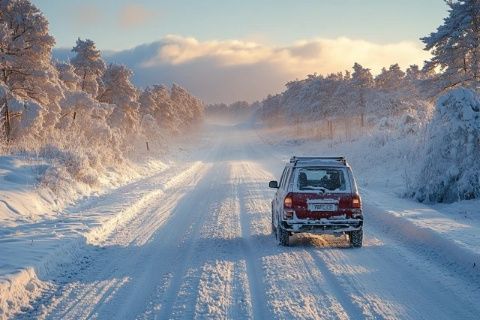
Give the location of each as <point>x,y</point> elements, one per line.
<point>203,249</point>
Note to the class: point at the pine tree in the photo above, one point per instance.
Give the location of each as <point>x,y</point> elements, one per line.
<point>362,80</point>
<point>455,45</point>
<point>391,79</point>
<point>89,66</point>
<point>362,77</point>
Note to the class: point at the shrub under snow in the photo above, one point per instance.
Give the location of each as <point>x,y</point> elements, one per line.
<point>451,170</point>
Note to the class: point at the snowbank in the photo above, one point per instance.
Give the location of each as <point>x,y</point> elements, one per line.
<point>35,188</point>
<point>451,169</point>
<point>40,232</point>
<point>37,232</point>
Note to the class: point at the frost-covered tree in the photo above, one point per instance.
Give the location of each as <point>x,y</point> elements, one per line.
<point>455,45</point>
<point>165,109</point>
<point>88,65</point>
<point>187,107</point>
<point>25,69</point>
<point>362,77</point>
<point>66,73</point>
<point>362,80</point>
<point>148,109</point>
<point>391,79</point>
<point>148,105</point>
<point>451,170</point>
<point>318,99</point>
<point>413,73</point>
<point>119,90</point>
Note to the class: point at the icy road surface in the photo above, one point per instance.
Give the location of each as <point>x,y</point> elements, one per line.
<point>203,249</point>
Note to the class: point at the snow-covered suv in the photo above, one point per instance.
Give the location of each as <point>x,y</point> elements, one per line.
<point>317,195</point>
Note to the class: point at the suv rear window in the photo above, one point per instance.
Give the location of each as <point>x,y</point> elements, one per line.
<point>321,179</point>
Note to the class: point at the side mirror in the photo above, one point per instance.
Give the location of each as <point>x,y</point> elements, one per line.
<point>273,184</point>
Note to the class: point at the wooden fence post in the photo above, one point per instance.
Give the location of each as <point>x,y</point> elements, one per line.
<point>330,129</point>
<point>6,120</point>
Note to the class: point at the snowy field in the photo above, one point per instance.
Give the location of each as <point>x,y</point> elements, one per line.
<point>192,240</point>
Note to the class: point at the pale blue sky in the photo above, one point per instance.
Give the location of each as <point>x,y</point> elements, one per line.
<point>273,22</point>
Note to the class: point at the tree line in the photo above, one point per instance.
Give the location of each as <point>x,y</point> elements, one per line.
<point>42,100</point>
<point>455,48</point>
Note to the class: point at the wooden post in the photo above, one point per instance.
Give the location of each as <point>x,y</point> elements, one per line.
<point>330,129</point>
<point>148,147</point>
<point>347,131</point>
<point>297,125</point>
<point>6,119</point>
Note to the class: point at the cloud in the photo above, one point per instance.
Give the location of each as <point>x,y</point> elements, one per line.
<point>229,70</point>
<point>134,15</point>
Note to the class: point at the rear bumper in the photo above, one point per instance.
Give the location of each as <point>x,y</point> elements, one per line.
<point>323,226</point>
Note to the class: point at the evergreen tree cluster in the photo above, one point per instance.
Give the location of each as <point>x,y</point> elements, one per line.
<point>455,46</point>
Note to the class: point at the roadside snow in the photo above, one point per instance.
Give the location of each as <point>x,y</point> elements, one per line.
<point>20,200</point>
<point>41,230</point>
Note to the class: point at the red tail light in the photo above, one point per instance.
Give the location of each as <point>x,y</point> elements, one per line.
<point>356,202</point>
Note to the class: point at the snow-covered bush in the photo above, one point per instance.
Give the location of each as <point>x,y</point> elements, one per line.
<point>79,167</point>
<point>451,170</point>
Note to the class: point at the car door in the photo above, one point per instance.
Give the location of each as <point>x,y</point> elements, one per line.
<point>282,191</point>
<point>276,199</point>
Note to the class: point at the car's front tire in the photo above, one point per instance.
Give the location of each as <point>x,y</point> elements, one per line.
<point>356,238</point>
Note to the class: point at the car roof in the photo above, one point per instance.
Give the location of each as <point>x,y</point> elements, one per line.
<point>338,162</point>
<point>305,164</point>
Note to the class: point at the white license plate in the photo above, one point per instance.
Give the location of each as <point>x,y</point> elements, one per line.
<point>322,207</point>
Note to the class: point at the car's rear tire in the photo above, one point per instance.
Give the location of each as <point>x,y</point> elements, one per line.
<point>356,238</point>
<point>283,236</point>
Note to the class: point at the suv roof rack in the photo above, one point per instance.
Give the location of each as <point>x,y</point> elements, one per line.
<point>294,159</point>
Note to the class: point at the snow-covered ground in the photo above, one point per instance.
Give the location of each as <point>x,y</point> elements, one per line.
<point>41,229</point>
<point>193,241</point>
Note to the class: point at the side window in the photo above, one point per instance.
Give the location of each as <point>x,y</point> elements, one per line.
<point>286,175</point>
<point>283,177</point>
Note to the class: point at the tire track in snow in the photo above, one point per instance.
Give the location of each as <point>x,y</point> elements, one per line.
<point>337,288</point>
<point>179,302</point>
<point>253,267</point>
<point>224,271</point>
<point>68,306</point>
